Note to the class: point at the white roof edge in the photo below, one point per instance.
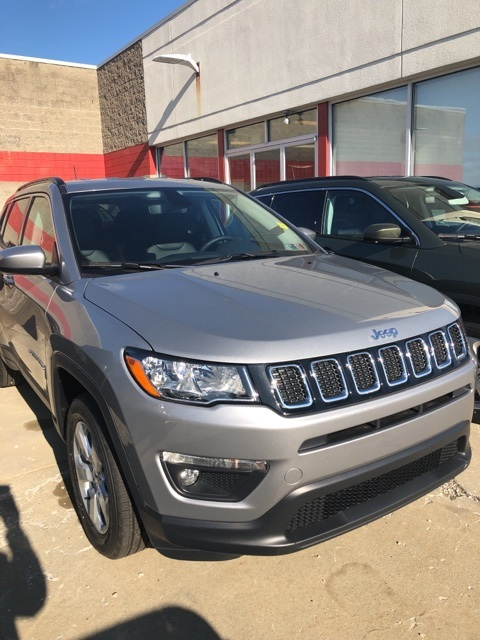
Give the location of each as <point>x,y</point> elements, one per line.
<point>168,17</point>
<point>46,61</point>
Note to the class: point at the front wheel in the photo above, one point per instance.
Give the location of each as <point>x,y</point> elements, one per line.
<point>101,498</point>
<point>473,334</point>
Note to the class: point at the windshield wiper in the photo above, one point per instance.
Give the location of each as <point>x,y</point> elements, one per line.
<point>460,236</point>
<point>132,266</point>
<point>245,255</point>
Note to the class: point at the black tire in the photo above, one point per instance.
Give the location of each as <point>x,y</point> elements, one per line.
<point>8,378</point>
<point>102,501</point>
<point>473,331</point>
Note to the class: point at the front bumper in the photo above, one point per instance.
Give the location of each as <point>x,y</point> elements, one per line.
<point>322,510</point>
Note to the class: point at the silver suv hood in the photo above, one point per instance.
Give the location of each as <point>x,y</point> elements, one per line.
<point>270,310</point>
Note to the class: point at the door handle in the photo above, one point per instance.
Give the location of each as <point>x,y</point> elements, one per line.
<point>9,280</point>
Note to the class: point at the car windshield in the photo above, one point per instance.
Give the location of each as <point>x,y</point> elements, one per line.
<point>174,226</point>
<point>441,210</point>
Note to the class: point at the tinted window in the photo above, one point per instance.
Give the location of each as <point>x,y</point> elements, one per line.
<point>302,208</point>
<point>349,212</point>
<point>39,227</point>
<point>15,221</point>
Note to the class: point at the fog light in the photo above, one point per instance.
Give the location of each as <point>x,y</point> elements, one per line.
<point>206,478</point>
<point>188,477</point>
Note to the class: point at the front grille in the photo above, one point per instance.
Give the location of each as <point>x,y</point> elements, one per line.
<point>363,372</point>
<point>324,507</point>
<point>289,382</point>
<point>330,380</point>
<point>350,377</point>
<point>393,365</point>
<point>459,345</point>
<point>417,351</point>
<point>440,349</point>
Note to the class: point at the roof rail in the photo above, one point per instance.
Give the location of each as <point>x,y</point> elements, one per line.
<point>50,179</point>
<point>205,179</point>
<point>315,179</point>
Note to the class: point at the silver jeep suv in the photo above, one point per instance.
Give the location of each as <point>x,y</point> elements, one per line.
<point>222,383</point>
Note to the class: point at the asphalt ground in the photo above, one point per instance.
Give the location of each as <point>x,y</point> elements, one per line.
<point>412,574</point>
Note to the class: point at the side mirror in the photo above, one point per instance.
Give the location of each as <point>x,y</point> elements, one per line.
<point>26,259</point>
<point>385,232</point>
<point>311,235</point>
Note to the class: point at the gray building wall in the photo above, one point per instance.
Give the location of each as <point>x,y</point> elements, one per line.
<point>261,57</point>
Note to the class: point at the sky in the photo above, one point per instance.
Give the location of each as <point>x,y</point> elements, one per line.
<point>81,31</point>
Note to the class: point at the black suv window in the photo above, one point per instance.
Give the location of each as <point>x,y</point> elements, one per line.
<point>15,220</point>
<point>348,212</point>
<point>302,208</point>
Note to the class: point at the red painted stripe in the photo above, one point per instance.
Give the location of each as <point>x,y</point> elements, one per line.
<point>22,166</point>
<point>130,162</point>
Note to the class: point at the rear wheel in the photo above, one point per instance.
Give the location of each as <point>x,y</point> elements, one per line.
<point>8,377</point>
<point>102,500</point>
<point>473,333</point>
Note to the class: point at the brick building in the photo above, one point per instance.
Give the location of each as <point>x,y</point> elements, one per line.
<point>282,89</point>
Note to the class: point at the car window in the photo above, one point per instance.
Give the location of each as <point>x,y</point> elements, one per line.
<point>302,208</point>
<point>14,224</point>
<point>348,212</point>
<point>39,227</point>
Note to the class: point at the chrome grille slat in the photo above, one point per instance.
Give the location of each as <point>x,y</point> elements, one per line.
<point>419,355</point>
<point>343,377</point>
<point>458,342</point>
<point>330,379</point>
<point>291,386</point>
<point>364,373</point>
<point>393,364</point>
<point>440,350</point>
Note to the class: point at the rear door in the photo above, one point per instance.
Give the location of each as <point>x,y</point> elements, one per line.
<point>302,208</point>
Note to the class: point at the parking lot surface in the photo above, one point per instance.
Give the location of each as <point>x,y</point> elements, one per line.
<point>412,574</point>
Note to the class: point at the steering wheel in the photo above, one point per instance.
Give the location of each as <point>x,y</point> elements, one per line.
<point>213,241</point>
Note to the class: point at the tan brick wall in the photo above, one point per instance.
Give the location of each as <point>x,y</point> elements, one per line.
<point>122,100</point>
<point>48,107</point>
<point>6,190</point>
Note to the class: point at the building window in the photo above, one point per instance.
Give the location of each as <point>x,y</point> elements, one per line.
<point>447,126</point>
<point>300,161</point>
<point>370,134</point>
<point>172,162</point>
<point>267,166</point>
<point>202,157</point>
<point>293,125</point>
<point>240,173</point>
<point>247,136</point>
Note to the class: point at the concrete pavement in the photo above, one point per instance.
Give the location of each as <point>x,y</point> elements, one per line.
<point>412,574</point>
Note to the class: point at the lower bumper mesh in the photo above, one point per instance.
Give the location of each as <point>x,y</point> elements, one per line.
<point>325,507</point>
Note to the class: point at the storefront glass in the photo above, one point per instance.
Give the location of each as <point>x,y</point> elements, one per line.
<point>172,163</point>
<point>370,134</point>
<point>267,166</point>
<point>447,127</point>
<point>202,155</point>
<point>299,124</point>
<point>300,161</point>
<point>246,136</point>
<point>240,175</point>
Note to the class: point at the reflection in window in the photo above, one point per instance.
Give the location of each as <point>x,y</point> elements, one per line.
<point>246,136</point>
<point>202,156</point>
<point>447,127</point>
<point>172,163</point>
<point>240,175</point>
<point>267,166</point>
<point>300,161</point>
<point>299,124</point>
<point>15,222</point>
<point>369,134</point>
<point>39,228</point>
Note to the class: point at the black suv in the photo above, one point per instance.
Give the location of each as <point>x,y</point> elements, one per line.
<point>417,227</point>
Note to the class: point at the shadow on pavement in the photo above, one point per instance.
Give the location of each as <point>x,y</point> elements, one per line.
<point>22,583</point>
<point>45,421</point>
<point>171,623</point>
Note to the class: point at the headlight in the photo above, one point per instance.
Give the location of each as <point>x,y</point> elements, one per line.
<point>199,382</point>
